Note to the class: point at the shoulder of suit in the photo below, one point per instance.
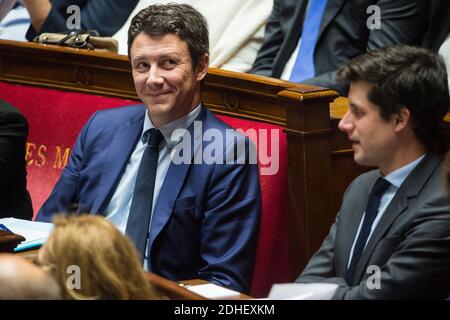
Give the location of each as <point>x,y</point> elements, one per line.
<point>367,176</point>
<point>361,182</point>
<point>230,135</point>
<point>130,112</point>
<point>212,122</point>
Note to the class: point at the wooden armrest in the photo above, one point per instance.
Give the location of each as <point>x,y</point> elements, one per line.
<point>172,289</point>
<point>9,240</point>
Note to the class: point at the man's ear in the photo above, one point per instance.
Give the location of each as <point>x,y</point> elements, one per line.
<point>202,67</point>
<point>402,119</point>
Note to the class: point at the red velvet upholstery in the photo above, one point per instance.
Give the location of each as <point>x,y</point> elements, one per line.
<point>55,118</point>
<point>272,257</point>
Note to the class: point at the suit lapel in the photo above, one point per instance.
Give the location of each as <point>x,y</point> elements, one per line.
<point>117,156</point>
<point>171,187</point>
<point>351,223</point>
<point>409,190</point>
<point>332,9</point>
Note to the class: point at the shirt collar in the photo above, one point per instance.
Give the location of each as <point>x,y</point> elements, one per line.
<point>397,177</point>
<point>167,129</point>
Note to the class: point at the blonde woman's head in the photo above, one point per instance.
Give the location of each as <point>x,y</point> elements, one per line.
<point>92,259</point>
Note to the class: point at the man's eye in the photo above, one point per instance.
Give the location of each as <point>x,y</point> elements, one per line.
<point>358,113</point>
<point>141,66</point>
<point>169,63</point>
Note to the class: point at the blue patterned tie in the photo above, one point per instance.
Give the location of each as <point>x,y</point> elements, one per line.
<point>371,212</point>
<point>304,64</point>
<point>141,204</point>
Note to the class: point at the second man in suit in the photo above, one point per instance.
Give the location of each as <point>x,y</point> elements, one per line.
<point>391,237</point>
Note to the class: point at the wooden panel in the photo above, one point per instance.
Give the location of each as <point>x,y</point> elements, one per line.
<point>66,69</point>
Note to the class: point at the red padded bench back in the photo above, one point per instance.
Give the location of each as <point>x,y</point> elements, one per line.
<point>55,118</point>
<point>272,258</point>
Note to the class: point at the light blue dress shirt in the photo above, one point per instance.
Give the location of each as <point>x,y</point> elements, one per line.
<point>395,178</point>
<point>15,23</point>
<point>118,208</point>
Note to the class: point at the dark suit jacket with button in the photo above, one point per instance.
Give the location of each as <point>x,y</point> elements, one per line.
<point>410,245</point>
<point>206,218</point>
<point>343,34</point>
<point>14,198</point>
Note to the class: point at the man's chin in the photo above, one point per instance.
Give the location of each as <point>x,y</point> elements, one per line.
<point>162,99</point>
<point>362,161</point>
<point>157,106</point>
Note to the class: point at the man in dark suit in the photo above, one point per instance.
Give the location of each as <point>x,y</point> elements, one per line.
<point>14,198</point>
<point>204,214</point>
<point>343,33</point>
<point>391,238</point>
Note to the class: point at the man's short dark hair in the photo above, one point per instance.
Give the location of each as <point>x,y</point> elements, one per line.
<point>179,19</point>
<point>405,77</point>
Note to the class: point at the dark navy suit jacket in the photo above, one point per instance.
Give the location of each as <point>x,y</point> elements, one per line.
<point>206,219</point>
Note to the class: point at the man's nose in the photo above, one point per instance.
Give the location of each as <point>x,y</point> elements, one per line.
<point>154,77</point>
<point>345,124</point>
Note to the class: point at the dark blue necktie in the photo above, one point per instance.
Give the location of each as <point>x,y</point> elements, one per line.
<point>371,212</point>
<point>304,64</point>
<point>141,204</point>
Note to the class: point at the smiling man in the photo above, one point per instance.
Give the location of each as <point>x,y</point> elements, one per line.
<point>187,220</point>
<point>391,238</point>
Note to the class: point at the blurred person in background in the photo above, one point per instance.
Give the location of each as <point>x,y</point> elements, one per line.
<point>308,41</point>
<point>14,198</point>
